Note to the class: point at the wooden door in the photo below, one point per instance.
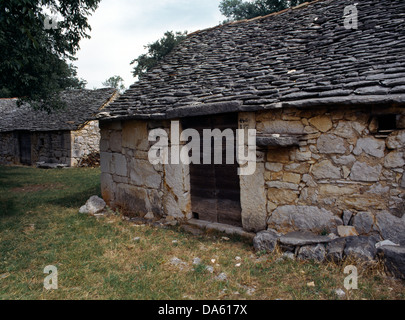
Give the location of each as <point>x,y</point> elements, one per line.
<point>25,148</point>
<point>215,189</point>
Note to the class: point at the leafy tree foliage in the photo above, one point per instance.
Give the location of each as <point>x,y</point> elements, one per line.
<point>115,82</point>
<point>239,9</point>
<point>34,55</point>
<point>156,52</point>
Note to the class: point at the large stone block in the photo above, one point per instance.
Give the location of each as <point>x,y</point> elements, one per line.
<point>363,222</point>
<point>303,218</point>
<point>361,247</point>
<point>135,135</point>
<point>322,123</point>
<point>135,201</point>
<point>120,164</point>
<point>115,142</point>
<point>254,200</point>
<point>107,188</point>
<point>394,159</point>
<point>266,241</point>
<point>370,146</point>
<point>326,170</point>
<point>329,144</point>
<point>106,162</point>
<point>143,173</point>
<point>396,140</point>
<point>361,171</point>
<point>394,259</point>
<point>282,127</point>
<point>281,196</point>
<point>177,190</point>
<point>391,227</point>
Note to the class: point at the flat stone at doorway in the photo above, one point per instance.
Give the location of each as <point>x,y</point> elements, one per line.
<point>300,238</point>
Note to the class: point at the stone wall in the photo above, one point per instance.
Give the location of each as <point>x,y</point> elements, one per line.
<point>50,147</point>
<point>131,183</point>
<point>84,141</point>
<point>343,172</point>
<point>62,147</point>
<point>9,151</point>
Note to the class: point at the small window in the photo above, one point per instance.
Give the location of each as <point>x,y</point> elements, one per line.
<point>387,122</point>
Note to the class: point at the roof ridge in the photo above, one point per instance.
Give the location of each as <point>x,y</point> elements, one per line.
<point>302,5</point>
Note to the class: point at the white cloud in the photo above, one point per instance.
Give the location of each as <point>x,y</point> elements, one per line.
<point>120,29</point>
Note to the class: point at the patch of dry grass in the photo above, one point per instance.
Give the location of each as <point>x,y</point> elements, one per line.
<point>100,258</point>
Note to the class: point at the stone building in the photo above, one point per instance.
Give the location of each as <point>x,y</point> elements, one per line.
<point>61,137</point>
<point>326,96</point>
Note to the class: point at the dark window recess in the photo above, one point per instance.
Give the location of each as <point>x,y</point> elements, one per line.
<point>387,122</point>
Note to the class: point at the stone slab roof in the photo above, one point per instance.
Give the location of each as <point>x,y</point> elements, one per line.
<point>295,58</point>
<point>81,106</point>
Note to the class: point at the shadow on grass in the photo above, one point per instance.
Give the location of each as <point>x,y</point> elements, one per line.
<point>76,199</point>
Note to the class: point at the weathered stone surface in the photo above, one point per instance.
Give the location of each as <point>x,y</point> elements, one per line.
<point>396,140</point>
<point>292,177</point>
<point>394,258</point>
<point>177,197</point>
<point>301,238</point>
<point>363,222</point>
<point>266,240</point>
<point>329,144</point>
<point>347,231</point>
<point>282,196</point>
<point>303,218</point>
<point>281,127</point>
<point>361,247</point>
<point>277,140</point>
<point>362,171</point>
<point>135,135</point>
<point>314,252</point>
<point>326,170</point>
<point>274,167</point>
<point>370,146</point>
<point>385,243</point>
<point>347,216</point>
<point>309,181</point>
<point>120,164</point>
<point>254,200</point>
<point>107,187</point>
<point>394,159</point>
<point>300,168</point>
<point>344,160</point>
<point>335,249</point>
<point>282,185</point>
<point>135,201</point>
<point>115,142</point>
<point>391,227</point>
<point>322,123</point>
<point>144,174</point>
<point>344,130</point>
<point>95,205</point>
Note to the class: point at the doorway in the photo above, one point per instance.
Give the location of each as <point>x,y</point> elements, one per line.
<point>25,147</point>
<point>215,188</point>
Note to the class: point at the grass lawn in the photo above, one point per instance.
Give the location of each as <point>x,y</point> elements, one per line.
<point>99,259</point>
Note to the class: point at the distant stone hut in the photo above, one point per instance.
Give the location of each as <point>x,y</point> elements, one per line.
<point>61,137</point>
<point>327,101</point>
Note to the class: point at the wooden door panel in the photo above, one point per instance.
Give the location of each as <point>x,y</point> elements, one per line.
<point>215,189</point>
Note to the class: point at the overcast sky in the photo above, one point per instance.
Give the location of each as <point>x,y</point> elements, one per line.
<point>121,28</point>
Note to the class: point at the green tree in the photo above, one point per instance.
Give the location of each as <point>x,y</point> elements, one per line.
<point>115,82</point>
<point>156,52</point>
<point>239,9</point>
<point>35,51</point>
